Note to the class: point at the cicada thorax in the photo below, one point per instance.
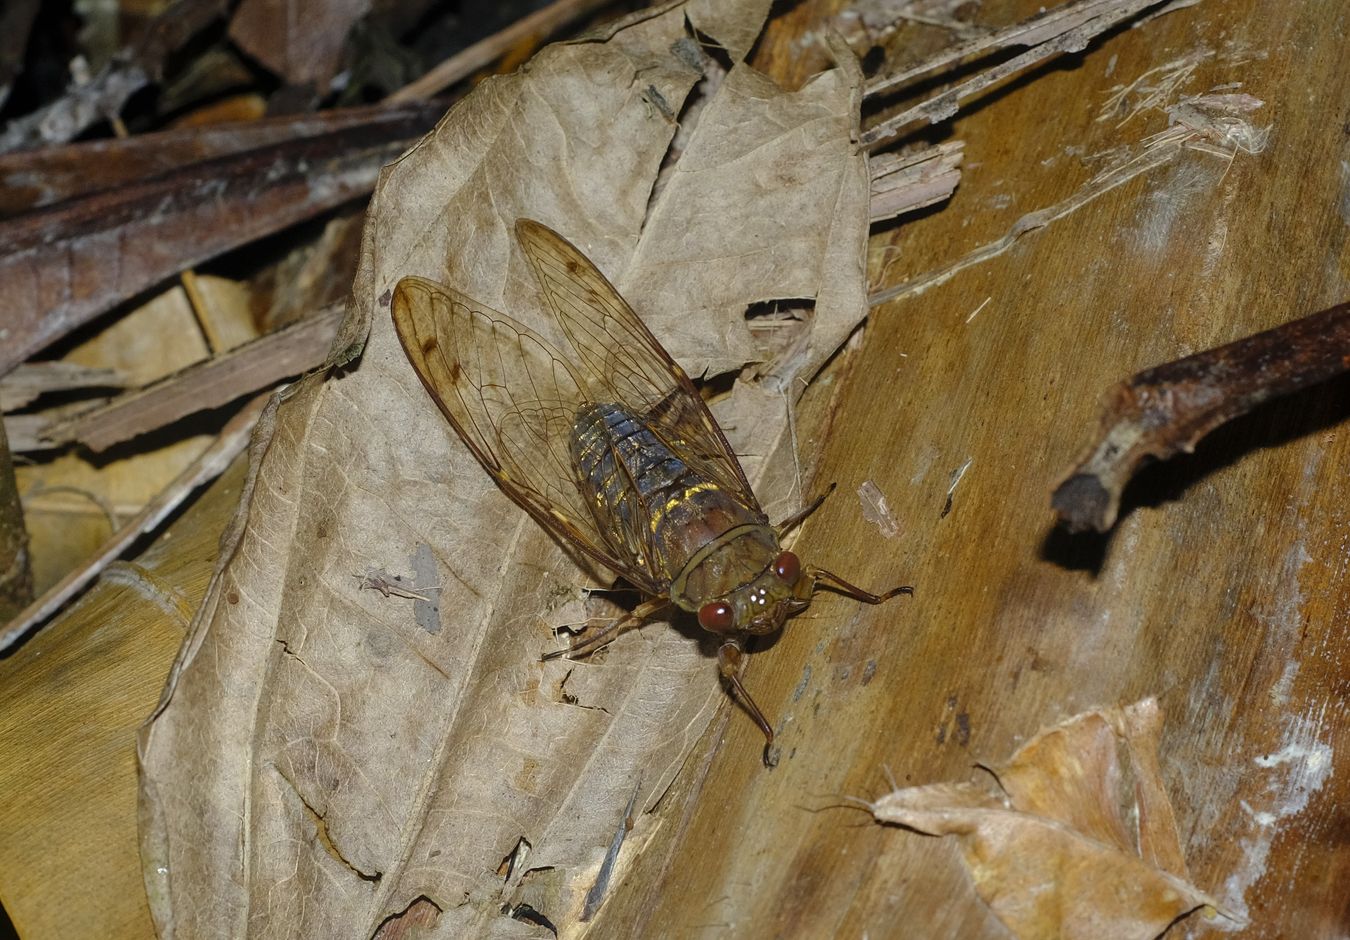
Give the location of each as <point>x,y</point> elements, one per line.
<point>698,542</point>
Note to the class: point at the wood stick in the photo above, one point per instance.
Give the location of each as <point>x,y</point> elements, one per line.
<point>1163,411</point>
<point>484,52</point>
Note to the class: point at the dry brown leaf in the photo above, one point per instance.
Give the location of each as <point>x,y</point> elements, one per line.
<point>1080,842</point>
<point>320,764</point>
<point>300,40</point>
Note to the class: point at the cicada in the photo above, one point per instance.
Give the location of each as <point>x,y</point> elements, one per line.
<point>612,449</point>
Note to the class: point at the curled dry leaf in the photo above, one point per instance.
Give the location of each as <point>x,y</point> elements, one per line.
<point>323,760</point>
<point>1081,840</point>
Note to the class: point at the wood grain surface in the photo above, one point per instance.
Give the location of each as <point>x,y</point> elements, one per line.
<point>1222,590</point>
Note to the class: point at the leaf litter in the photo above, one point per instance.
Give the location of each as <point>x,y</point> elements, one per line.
<point>320,763</point>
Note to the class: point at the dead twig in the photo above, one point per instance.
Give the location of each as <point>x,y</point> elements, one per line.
<point>483,53</point>
<point>31,380</point>
<point>1166,410</point>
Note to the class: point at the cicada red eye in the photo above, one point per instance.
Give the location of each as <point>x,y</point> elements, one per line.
<point>787,567</point>
<point>716,616</point>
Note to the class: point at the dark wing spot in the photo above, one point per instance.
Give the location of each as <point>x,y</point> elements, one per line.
<point>455,370</point>
<point>428,345</point>
<point>573,267</point>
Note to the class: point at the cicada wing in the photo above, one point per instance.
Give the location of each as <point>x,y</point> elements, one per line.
<point>513,399</point>
<point>618,356</point>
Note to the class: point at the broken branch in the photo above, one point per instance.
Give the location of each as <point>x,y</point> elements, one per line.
<point>1163,411</point>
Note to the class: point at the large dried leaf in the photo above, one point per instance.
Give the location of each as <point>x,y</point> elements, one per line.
<point>327,758</point>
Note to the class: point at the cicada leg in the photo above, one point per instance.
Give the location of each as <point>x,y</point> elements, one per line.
<point>836,583</point>
<point>588,645</point>
<point>730,658</point>
<point>798,517</point>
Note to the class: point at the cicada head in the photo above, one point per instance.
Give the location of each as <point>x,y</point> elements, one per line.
<point>762,604</point>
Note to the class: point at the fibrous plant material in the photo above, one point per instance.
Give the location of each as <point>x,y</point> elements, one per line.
<point>1064,29</point>
<point>904,182</point>
<point>1166,410</point>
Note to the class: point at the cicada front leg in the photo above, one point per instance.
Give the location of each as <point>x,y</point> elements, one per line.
<point>730,661</point>
<point>585,646</point>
